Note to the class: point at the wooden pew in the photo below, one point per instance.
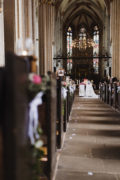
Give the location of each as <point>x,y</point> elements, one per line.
<point>17,155</point>
<point>51,118</point>
<point>67,108</point>
<point>118,100</point>
<point>47,119</point>
<point>104,92</point>
<point>107,93</point>
<point>101,90</point>
<point>65,116</point>
<point>115,98</point>
<point>1,120</point>
<point>59,114</point>
<point>16,150</point>
<point>110,94</point>
<point>68,104</point>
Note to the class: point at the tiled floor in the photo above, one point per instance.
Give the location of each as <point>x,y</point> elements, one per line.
<point>91,149</point>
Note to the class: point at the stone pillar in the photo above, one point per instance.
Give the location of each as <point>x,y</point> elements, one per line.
<point>46,25</point>
<point>16,22</point>
<point>115,37</point>
<point>29,20</point>
<point>112,31</point>
<point>9,24</point>
<point>117,40</point>
<point>35,31</point>
<point>118,5</point>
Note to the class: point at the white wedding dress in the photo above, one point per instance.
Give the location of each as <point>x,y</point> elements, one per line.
<point>90,91</point>
<point>82,90</point>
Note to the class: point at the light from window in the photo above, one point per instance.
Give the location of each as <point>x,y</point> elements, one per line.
<point>96,50</point>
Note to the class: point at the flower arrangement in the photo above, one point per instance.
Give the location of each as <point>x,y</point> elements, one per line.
<point>36,84</point>
<point>36,87</point>
<point>64,84</point>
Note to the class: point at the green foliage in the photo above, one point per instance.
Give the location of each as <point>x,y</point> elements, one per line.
<point>33,88</point>
<point>36,155</point>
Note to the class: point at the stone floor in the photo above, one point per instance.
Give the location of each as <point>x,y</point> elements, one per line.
<point>91,148</point>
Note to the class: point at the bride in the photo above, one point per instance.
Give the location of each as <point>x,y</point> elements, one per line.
<point>86,89</point>
<point>90,91</point>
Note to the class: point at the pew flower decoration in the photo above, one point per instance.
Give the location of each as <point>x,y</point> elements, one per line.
<point>36,88</point>
<point>37,84</point>
<point>35,78</point>
<point>118,89</point>
<point>64,89</point>
<point>64,84</point>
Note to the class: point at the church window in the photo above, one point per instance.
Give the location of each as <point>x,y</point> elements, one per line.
<point>96,50</point>
<point>69,50</point>
<point>69,42</point>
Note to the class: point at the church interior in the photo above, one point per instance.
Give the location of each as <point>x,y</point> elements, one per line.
<point>59,90</point>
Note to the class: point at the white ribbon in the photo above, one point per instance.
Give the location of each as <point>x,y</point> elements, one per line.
<point>64,92</point>
<point>33,117</point>
<point>118,89</point>
<point>71,88</point>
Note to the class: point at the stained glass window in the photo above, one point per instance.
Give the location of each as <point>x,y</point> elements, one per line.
<point>69,42</point>
<point>96,50</point>
<point>69,50</point>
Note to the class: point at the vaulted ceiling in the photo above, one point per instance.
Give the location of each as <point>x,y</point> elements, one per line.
<point>83,11</point>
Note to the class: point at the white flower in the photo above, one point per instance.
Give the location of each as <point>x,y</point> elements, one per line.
<point>38,144</point>
<point>30,76</point>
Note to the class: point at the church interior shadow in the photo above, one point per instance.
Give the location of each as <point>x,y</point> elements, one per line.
<point>106,132</point>
<point>97,132</point>
<point>97,115</point>
<point>105,115</point>
<point>94,111</point>
<point>107,152</point>
<point>101,122</point>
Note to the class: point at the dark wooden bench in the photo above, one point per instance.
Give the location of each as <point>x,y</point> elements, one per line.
<point>110,94</point>
<point>59,114</point>
<point>115,95</point>
<point>118,100</point>
<point>16,150</point>
<point>107,93</point>
<point>2,81</point>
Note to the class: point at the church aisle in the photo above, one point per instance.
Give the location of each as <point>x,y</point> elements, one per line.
<point>91,149</point>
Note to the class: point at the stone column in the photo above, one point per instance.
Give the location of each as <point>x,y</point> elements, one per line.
<point>9,24</point>
<point>116,40</point>
<point>35,32</point>
<point>118,5</point>
<point>115,36</point>
<point>113,25</point>
<point>18,26</point>
<point>115,30</point>
<point>42,36</point>
<point>46,25</point>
